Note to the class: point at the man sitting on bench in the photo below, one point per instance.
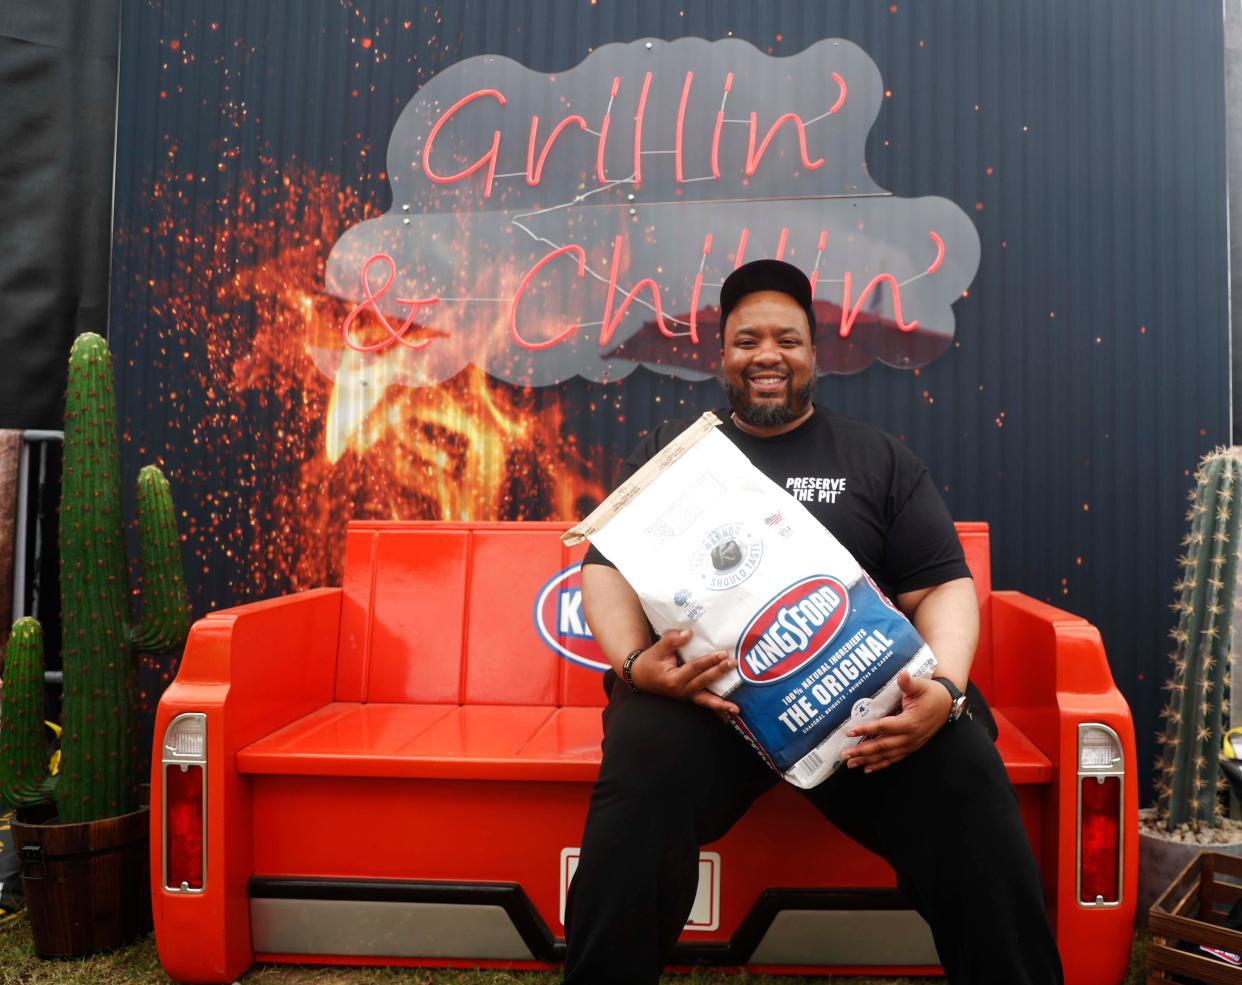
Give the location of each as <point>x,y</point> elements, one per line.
<point>924,788</point>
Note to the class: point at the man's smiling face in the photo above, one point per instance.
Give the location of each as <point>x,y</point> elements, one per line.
<point>768,363</point>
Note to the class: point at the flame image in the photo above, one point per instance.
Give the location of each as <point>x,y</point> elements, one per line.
<point>269,458</point>
<point>463,450</point>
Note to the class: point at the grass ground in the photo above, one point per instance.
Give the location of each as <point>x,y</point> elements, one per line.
<point>139,965</point>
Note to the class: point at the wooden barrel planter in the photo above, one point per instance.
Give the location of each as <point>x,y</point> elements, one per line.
<point>87,885</point>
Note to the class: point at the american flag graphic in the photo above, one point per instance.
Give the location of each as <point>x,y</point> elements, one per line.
<point>774,519</point>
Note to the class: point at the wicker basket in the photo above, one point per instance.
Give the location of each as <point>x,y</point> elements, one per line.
<point>1191,912</point>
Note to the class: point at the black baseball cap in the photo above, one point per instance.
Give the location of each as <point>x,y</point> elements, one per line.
<point>766,275</point>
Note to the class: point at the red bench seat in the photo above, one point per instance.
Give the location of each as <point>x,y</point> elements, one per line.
<point>397,772</point>
<point>485,742</point>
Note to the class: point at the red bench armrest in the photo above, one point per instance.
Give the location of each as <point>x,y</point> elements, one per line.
<point>1041,652</point>
<point>1052,676</point>
<point>1050,671</point>
<point>251,670</point>
<point>263,665</point>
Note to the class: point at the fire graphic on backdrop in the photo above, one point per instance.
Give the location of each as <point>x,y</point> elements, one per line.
<point>350,363</point>
<point>288,457</point>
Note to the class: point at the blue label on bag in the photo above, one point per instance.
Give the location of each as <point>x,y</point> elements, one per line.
<point>824,647</point>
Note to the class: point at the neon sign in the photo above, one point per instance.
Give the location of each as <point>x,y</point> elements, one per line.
<point>580,223</point>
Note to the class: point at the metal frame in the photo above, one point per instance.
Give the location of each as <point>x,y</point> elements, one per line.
<point>1117,769</point>
<point>169,758</point>
<point>29,438</point>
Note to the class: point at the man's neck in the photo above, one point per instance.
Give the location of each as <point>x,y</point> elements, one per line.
<point>774,430</point>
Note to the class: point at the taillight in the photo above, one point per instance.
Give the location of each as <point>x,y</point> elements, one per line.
<point>185,803</point>
<point>1101,773</point>
<point>183,825</point>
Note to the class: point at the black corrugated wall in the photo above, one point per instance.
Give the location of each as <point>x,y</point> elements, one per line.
<point>1086,140</point>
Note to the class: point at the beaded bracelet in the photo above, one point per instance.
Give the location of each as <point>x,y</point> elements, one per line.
<point>627,667</point>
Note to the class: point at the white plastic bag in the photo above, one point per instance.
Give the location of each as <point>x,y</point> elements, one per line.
<point>711,544</point>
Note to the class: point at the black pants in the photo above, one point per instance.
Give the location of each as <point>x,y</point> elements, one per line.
<point>674,777</point>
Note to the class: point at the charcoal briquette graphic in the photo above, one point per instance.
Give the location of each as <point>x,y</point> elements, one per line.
<point>727,555</point>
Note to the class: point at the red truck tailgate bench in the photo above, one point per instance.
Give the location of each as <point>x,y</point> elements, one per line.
<point>397,772</point>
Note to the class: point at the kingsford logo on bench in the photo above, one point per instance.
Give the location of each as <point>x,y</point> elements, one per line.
<point>792,629</point>
<point>561,624</point>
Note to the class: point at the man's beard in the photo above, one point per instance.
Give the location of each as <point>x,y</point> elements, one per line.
<point>768,415</point>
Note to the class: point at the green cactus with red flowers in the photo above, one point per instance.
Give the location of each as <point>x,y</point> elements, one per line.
<point>100,639</point>
<point>1189,780</point>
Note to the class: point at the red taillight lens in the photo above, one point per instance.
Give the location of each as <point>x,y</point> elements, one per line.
<point>183,825</point>
<point>1100,845</point>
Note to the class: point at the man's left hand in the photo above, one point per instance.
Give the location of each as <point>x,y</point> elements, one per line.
<point>924,711</point>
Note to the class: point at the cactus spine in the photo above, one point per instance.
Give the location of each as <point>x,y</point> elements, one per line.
<point>24,781</point>
<point>99,742</point>
<point>1189,766</point>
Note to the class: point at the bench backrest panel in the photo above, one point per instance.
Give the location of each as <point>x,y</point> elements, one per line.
<point>978,549</point>
<point>445,613</point>
<point>976,546</point>
<point>461,613</point>
<point>401,625</point>
<point>507,662</point>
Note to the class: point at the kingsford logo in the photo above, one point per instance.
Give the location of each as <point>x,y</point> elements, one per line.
<point>561,624</point>
<point>792,629</point>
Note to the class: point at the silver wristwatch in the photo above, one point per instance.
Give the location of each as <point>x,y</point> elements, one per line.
<point>958,708</point>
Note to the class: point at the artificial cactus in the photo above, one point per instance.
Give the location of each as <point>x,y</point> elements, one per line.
<point>100,639</point>
<point>24,780</point>
<point>1189,783</point>
<point>164,607</point>
<point>97,745</point>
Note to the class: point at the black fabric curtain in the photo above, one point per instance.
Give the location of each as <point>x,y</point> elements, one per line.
<point>58,65</point>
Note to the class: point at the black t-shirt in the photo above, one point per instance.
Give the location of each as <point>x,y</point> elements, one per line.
<point>864,485</point>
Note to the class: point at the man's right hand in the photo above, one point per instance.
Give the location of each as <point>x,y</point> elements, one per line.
<point>657,671</point>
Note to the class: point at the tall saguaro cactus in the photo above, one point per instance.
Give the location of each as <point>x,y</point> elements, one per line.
<point>99,741</point>
<point>1189,780</point>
